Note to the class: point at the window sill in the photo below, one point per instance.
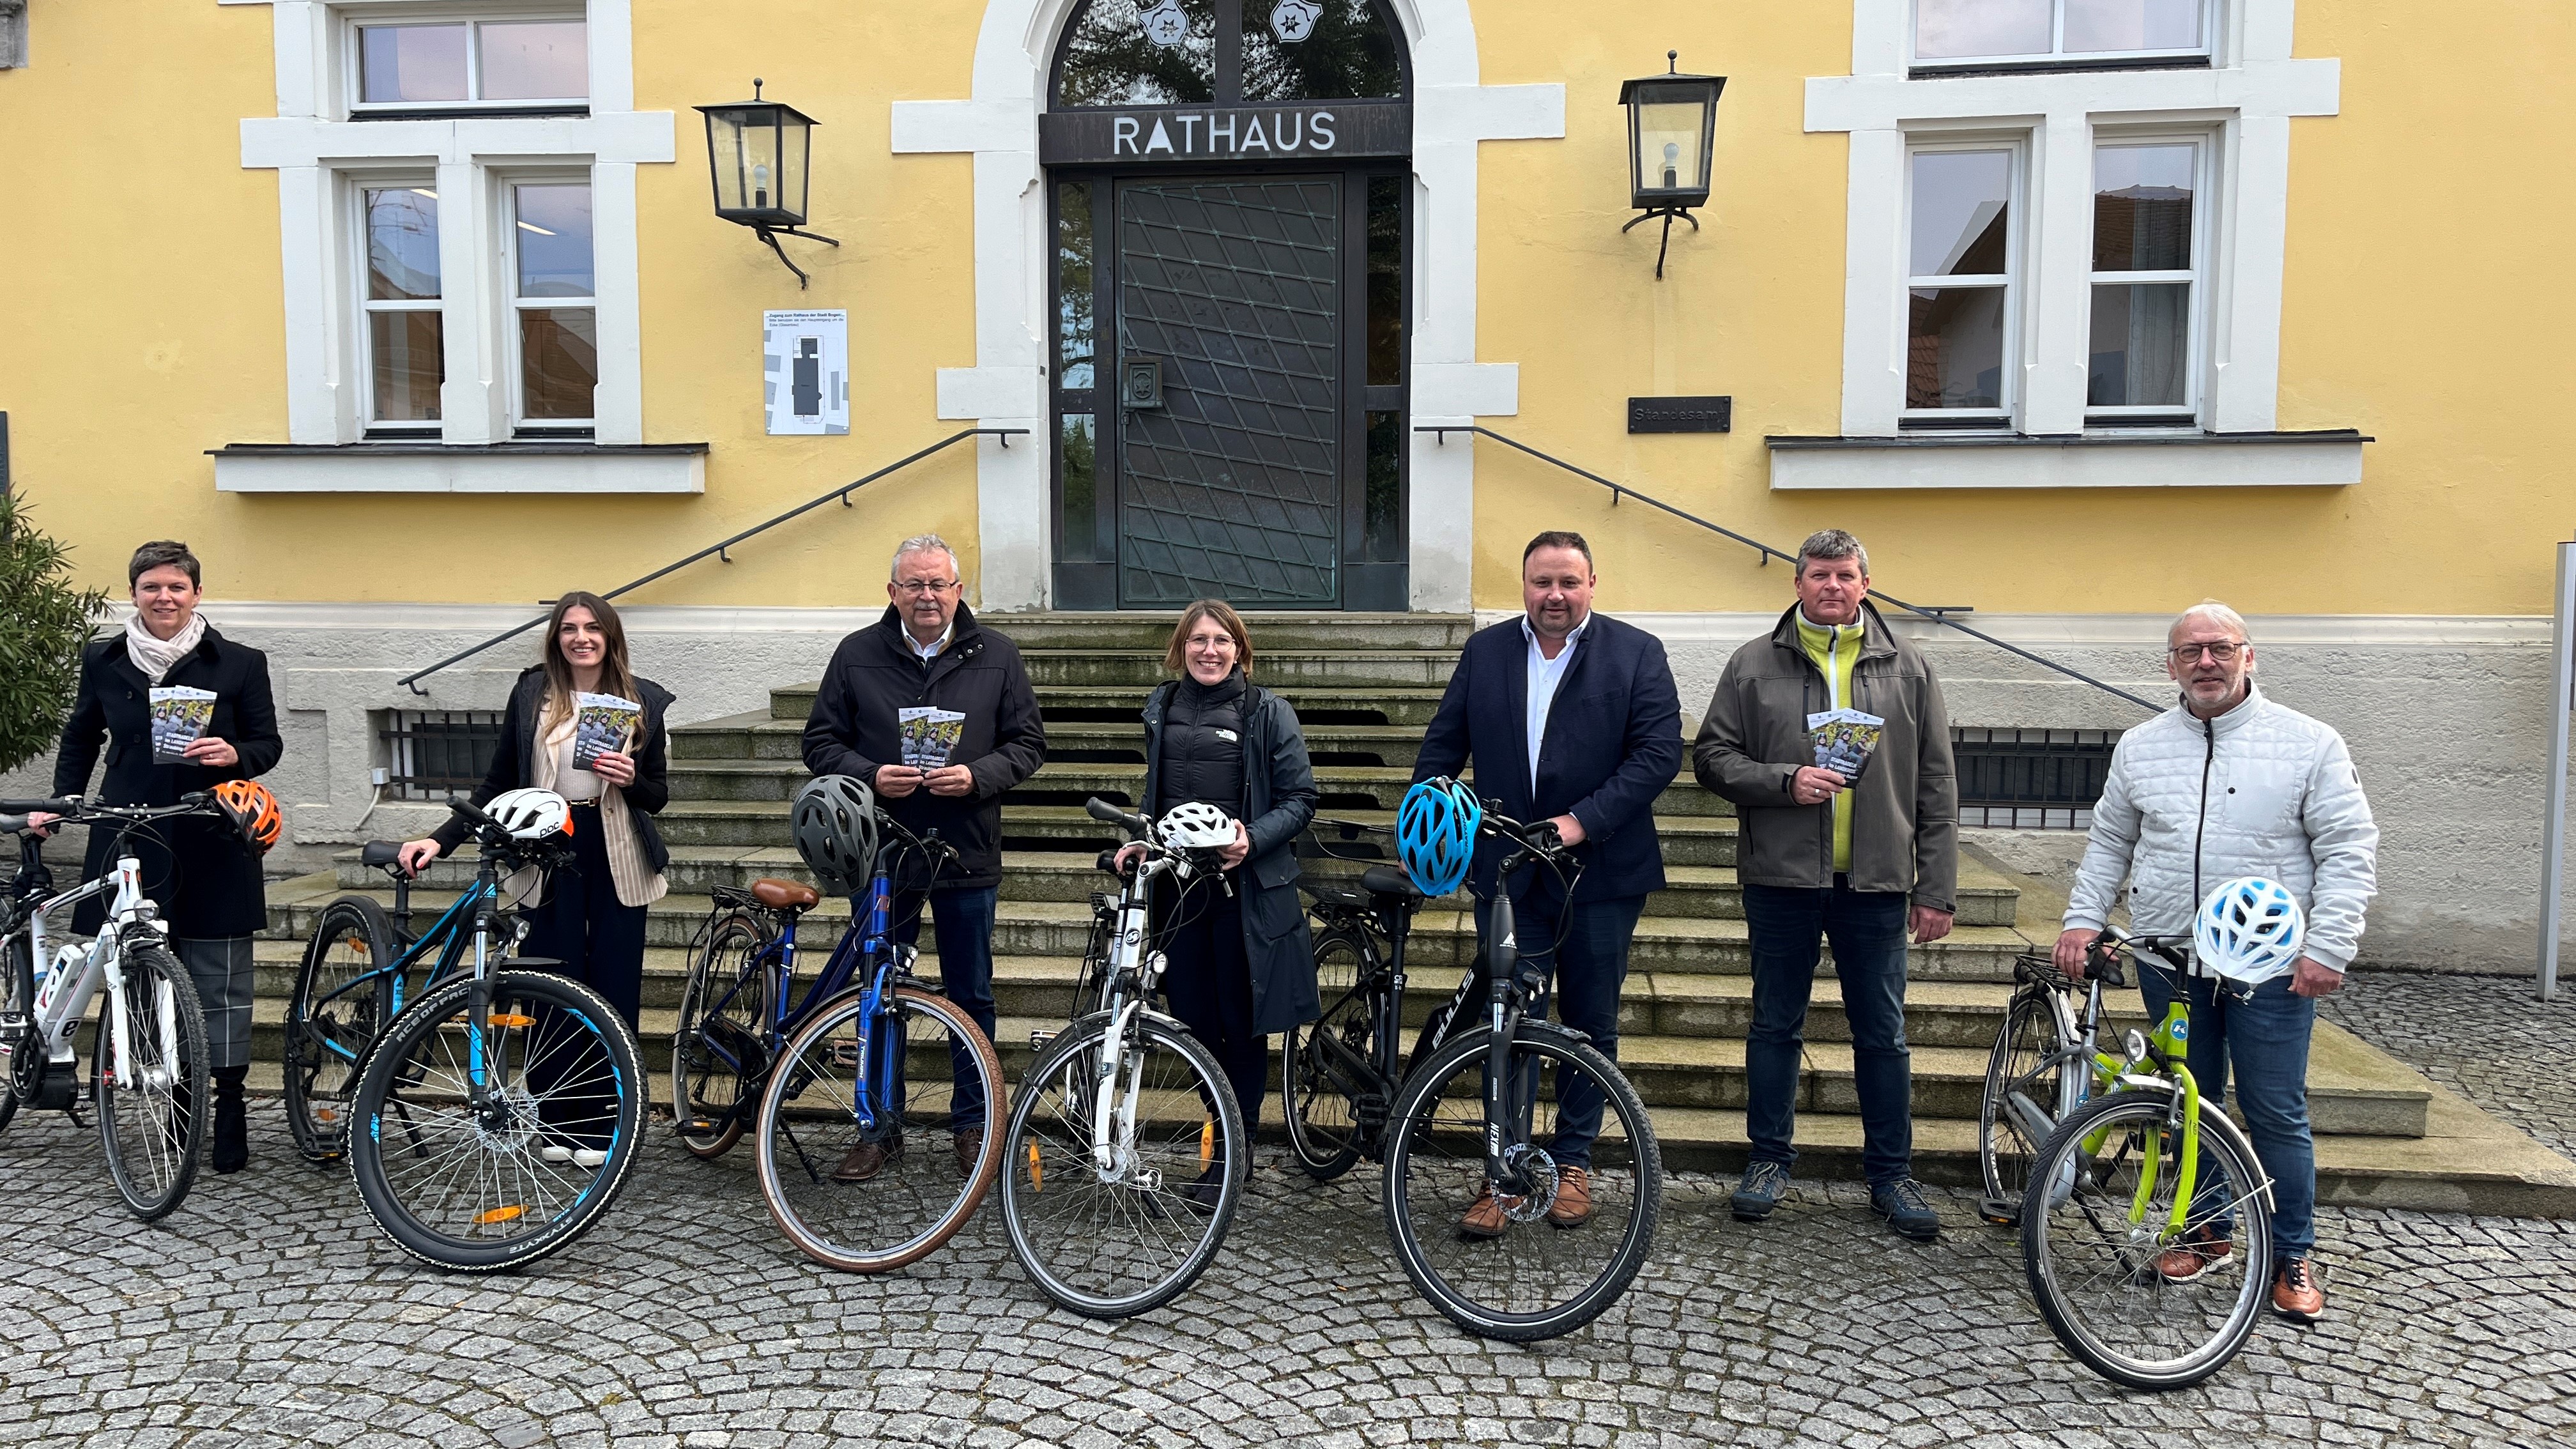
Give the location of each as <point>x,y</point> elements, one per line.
<point>424,466</point>
<point>2326,459</point>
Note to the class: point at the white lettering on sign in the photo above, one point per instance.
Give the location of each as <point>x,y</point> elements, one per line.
<point>1123,132</point>
<point>1324,137</point>
<point>1161,140</point>
<point>1225,134</point>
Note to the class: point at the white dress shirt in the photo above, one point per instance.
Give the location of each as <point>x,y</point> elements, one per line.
<point>935,647</point>
<point>1545,675</point>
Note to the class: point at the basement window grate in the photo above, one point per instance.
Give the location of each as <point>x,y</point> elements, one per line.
<point>2031,779</point>
<point>432,754</point>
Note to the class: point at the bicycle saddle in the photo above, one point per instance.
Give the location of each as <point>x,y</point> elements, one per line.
<point>784,895</point>
<point>377,854</point>
<point>1386,880</point>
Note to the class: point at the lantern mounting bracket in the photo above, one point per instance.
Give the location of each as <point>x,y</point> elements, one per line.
<point>1667,213</point>
<point>771,234</point>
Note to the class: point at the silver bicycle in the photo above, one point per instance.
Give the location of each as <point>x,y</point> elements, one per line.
<point>148,1053</point>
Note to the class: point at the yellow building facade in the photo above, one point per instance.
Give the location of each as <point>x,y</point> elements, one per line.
<point>407,314</point>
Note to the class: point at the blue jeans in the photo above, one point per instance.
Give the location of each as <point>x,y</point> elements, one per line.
<point>1584,975</point>
<point>1789,926</point>
<point>2263,1036</point>
<point>961,922</point>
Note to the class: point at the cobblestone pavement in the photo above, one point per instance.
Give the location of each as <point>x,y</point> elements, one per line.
<point>2489,1038</point>
<point>267,1311</point>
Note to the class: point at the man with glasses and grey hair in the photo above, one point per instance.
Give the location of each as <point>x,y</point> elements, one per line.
<point>2228,784</point>
<point>928,650</point>
<point>1830,736</point>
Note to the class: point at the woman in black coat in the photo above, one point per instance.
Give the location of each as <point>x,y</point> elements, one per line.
<point>200,871</point>
<point>1240,965</point>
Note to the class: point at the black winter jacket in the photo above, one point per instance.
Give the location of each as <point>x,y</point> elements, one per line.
<point>852,730</point>
<point>1202,745</point>
<point>514,763</point>
<point>206,879</point>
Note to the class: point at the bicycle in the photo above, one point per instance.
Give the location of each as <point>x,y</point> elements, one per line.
<point>1466,1117</point>
<point>2146,1221</point>
<point>499,1112</point>
<point>148,1055</point>
<point>2046,1062</point>
<point>858,1061</point>
<point>1120,1117</point>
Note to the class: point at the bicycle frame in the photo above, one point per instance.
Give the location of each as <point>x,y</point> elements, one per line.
<point>445,933</point>
<point>2166,1048</point>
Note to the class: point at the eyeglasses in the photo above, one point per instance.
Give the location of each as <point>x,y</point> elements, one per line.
<point>2222,653</point>
<point>925,588</point>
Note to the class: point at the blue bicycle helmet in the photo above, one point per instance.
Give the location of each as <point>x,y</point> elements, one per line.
<point>1435,834</point>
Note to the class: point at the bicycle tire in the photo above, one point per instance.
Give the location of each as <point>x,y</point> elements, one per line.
<point>1435,1166</point>
<point>1052,1189</point>
<point>17,998</point>
<point>2024,1097</point>
<point>1325,1134</point>
<point>719,1051</point>
<point>810,1206</point>
<point>153,1156</point>
<point>325,1048</point>
<point>415,1078</point>
<point>2092,1212</point>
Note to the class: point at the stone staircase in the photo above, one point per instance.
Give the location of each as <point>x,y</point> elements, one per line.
<point>1364,686</point>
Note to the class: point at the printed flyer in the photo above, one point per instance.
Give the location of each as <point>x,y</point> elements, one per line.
<point>179,719</point>
<point>929,735</point>
<point>1843,739</point>
<point>602,726</point>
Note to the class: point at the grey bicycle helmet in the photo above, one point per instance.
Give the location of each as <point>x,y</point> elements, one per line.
<point>835,822</point>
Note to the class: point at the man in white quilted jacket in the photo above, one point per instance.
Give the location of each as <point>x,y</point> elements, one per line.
<point>2229,784</point>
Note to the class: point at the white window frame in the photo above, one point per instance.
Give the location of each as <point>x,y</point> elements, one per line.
<point>2204,146</point>
<point>355,186</point>
<point>350,15</point>
<point>2016,273</point>
<point>2057,56</point>
<point>505,213</point>
<point>318,152</point>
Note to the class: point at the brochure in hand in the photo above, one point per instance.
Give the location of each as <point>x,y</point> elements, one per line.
<point>179,719</point>
<point>930,735</point>
<point>1844,739</point>
<point>601,726</point>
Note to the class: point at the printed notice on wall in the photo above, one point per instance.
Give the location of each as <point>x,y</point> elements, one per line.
<point>805,371</point>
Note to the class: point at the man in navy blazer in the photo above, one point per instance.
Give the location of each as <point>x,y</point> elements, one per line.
<point>1571,717</point>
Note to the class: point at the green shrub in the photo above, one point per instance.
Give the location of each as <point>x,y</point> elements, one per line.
<point>44,621</point>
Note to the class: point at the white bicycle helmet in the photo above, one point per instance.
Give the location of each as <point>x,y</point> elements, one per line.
<point>531,813</point>
<point>834,820</point>
<point>1193,825</point>
<point>2249,931</point>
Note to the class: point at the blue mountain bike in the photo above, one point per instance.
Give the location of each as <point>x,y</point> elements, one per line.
<point>868,1097</point>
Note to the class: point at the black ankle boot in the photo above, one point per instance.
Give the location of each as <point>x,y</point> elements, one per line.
<point>231,1148</point>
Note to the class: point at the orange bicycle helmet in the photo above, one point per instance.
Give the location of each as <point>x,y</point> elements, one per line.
<point>252,810</point>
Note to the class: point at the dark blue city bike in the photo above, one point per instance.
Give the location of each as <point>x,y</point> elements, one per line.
<point>868,1095</point>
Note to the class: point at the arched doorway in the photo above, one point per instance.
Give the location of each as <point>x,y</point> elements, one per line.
<point>1229,210</point>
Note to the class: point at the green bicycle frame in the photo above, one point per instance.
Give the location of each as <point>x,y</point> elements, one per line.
<point>2169,1041</point>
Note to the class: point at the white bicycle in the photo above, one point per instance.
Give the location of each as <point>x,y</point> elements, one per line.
<point>1126,1151</point>
<point>148,1055</point>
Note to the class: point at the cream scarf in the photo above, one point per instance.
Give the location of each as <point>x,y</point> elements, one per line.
<point>157,657</point>
<point>638,884</point>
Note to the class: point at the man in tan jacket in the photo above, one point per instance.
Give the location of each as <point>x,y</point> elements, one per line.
<point>1856,854</point>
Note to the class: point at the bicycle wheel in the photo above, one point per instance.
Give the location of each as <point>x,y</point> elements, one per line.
<point>2092,1246</point>
<point>2029,1085</point>
<point>1535,1279</point>
<point>527,1173</point>
<point>1116,1241</point>
<point>344,995</point>
<point>718,1052</point>
<point>17,999</point>
<point>1329,1064</point>
<point>151,1117</point>
<point>919,1194</point>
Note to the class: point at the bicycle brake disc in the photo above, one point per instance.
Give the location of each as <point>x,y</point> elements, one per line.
<point>1540,1169</point>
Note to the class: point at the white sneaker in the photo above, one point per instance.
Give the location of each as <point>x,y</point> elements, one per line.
<point>577,1156</point>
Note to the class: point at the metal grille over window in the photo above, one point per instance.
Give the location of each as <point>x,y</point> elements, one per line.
<point>432,754</point>
<point>2031,779</point>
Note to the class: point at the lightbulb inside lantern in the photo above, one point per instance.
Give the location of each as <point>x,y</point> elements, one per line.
<point>1672,165</point>
<point>760,186</point>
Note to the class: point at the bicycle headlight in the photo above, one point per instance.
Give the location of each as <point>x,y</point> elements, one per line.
<point>2137,1044</point>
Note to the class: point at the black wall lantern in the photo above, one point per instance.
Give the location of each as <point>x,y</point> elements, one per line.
<point>758,153</point>
<point>1672,131</point>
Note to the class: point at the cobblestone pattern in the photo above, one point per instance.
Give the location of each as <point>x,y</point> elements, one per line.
<point>267,1311</point>
<point>2489,1038</point>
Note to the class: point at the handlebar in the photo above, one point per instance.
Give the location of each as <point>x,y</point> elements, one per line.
<point>1108,814</point>
<point>68,805</point>
<point>2108,943</point>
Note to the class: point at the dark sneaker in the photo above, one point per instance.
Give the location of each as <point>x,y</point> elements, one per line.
<point>1764,1184</point>
<point>1906,1209</point>
<point>2295,1294</point>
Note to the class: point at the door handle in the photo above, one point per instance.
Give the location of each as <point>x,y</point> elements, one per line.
<point>1140,383</point>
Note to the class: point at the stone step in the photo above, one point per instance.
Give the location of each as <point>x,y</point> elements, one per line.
<point>1151,629</point>
<point>1317,703</point>
<point>1142,669</point>
<point>758,736</point>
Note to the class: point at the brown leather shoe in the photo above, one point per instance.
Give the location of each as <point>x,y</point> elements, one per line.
<point>1484,1217</point>
<point>867,1160</point>
<point>2201,1249</point>
<point>2295,1294</point>
<point>970,1151</point>
<point>1573,1205</point>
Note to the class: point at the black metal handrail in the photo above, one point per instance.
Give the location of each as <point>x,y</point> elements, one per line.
<point>719,549</point>
<point>1938,614</point>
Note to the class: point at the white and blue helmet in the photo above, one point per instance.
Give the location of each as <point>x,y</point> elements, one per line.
<point>2249,931</point>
